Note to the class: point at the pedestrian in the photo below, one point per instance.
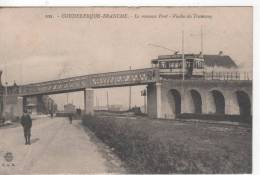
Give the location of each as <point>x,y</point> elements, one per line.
<point>26,122</point>
<point>70,118</point>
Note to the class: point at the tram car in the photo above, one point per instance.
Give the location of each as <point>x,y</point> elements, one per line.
<point>170,66</point>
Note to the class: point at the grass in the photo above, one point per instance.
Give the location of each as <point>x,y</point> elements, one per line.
<point>157,146</point>
<point>218,117</point>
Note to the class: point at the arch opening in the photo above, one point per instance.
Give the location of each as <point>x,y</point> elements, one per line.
<point>197,102</point>
<point>176,103</point>
<point>219,102</point>
<point>244,103</point>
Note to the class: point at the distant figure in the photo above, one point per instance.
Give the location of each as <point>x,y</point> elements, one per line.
<point>78,112</point>
<point>26,122</point>
<point>70,118</point>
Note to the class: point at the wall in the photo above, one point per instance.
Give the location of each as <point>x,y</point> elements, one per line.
<point>167,107</point>
<point>13,107</point>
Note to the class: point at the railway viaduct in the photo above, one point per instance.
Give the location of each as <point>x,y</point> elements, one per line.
<point>165,98</point>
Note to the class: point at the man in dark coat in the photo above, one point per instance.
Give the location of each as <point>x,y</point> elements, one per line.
<point>70,118</point>
<point>26,122</point>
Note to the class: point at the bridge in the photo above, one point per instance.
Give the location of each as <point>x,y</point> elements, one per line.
<point>166,98</point>
<point>102,80</point>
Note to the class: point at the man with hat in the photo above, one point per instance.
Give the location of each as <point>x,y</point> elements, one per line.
<point>26,122</point>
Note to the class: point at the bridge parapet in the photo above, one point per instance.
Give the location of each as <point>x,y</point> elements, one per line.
<point>213,75</point>
<point>102,80</point>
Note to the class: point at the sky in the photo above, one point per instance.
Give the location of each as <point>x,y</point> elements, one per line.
<point>34,48</point>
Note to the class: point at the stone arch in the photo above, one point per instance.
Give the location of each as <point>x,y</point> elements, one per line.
<point>218,101</point>
<point>244,103</point>
<point>175,101</point>
<point>196,101</point>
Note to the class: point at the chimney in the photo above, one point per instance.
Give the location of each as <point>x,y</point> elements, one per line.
<point>220,53</point>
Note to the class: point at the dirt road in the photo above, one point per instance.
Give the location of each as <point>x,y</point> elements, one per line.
<point>57,147</point>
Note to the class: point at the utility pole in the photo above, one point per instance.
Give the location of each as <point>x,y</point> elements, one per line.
<point>201,39</point>
<point>5,97</point>
<point>5,94</point>
<point>130,94</point>
<point>183,61</point>
<point>97,103</point>
<point>145,104</point>
<point>107,101</point>
<point>201,35</point>
<point>143,93</point>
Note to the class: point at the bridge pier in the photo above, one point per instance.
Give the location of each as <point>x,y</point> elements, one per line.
<point>209,107</point>
<point>232,106</point>
<point>154,100</point>
<point>89,101</point>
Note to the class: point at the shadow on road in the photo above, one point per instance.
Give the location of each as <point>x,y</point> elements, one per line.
<point>34,140</point>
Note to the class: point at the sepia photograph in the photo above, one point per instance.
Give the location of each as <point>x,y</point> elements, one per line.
<point>126,90</point>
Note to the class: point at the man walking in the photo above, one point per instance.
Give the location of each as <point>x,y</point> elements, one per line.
<point>26,122</point>
<point>70,118</point>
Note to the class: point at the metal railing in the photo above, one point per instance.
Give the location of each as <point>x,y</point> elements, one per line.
<point>110,79</point>
<point>227,75</point>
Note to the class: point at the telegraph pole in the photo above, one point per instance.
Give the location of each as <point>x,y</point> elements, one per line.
<point>183,62</point>
<point>201,39</point>
<point>130,94</point>
<point>5,97</point>
<point>97,103</point>
<point>143,93</point>
<point>107,101</point>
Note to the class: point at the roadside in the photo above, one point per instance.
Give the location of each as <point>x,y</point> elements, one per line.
<point>167,146</point>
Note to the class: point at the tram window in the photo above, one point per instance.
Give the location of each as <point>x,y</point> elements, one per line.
<point>176,64</point>
<point>163,65</point>
<point>171,65</point>
<point>200,65</point>
<point>189,64</point>
<point>180,64</point>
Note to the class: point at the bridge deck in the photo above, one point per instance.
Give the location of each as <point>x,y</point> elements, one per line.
<point>102,80</point>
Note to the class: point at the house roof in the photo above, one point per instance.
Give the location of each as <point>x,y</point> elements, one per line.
<point>219,60</point>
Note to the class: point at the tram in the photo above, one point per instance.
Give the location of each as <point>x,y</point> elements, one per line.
<point>171,66</point>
